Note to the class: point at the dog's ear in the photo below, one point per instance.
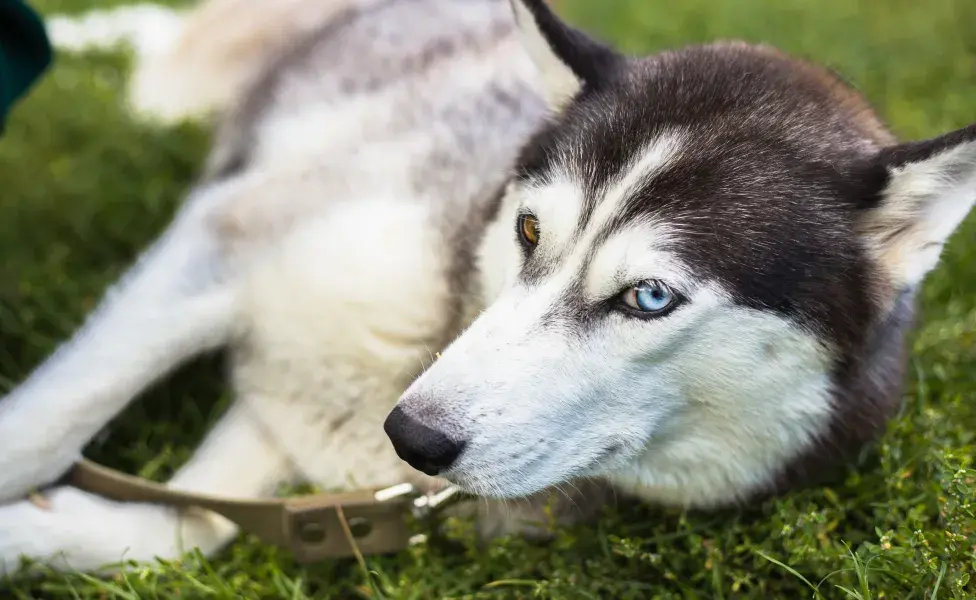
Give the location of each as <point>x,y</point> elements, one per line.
<point>567,58</point>
<point>926,190</point>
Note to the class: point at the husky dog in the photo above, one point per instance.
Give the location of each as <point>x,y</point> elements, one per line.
<point>689,274</point>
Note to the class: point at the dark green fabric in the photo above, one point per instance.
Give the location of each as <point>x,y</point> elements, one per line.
<point>25,52</point>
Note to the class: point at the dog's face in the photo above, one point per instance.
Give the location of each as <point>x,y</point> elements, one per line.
<point>692,264</point>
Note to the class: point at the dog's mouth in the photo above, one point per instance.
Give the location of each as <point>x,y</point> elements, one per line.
<point>610,456</point>
<point>541,472</point>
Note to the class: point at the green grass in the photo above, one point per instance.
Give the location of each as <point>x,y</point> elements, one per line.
<point>82,188</point>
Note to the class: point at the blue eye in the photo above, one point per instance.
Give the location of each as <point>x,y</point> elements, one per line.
<point>650,297</point>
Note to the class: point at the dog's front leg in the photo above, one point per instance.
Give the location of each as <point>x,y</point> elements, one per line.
<point>80,531</point>
<point>176,302</point>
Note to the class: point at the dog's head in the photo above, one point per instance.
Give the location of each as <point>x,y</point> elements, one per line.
<point>702,267</point>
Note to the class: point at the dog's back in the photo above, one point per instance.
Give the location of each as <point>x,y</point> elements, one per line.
<point>438,93</point>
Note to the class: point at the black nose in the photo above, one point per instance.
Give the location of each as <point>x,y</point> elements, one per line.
<point>423,448</point>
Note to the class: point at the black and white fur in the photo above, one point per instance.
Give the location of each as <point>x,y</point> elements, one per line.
<point>352,222</point>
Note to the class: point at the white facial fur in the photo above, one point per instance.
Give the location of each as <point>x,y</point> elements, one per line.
<point>679,409</point>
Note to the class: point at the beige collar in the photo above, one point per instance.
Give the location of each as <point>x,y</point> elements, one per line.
<point>312,527</point>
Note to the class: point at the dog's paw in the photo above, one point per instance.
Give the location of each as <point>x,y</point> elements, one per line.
<point>29,461</point>
<point>70,530</point>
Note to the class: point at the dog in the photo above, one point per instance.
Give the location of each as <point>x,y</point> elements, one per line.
<point>689,275</point>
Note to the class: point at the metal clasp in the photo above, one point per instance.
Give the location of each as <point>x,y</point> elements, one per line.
<point>422,506</point>
<point>428,504</point>
<point>395,492</point>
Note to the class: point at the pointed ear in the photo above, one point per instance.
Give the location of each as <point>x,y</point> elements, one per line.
<point>928,189</point>
<point>567,58</point>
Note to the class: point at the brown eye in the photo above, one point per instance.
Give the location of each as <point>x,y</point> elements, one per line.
<point>528,227</point>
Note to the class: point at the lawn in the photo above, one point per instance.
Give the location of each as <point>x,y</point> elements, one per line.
<point>82,188</point>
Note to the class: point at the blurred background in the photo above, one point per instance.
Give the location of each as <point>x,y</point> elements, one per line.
<point>83,188</point>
